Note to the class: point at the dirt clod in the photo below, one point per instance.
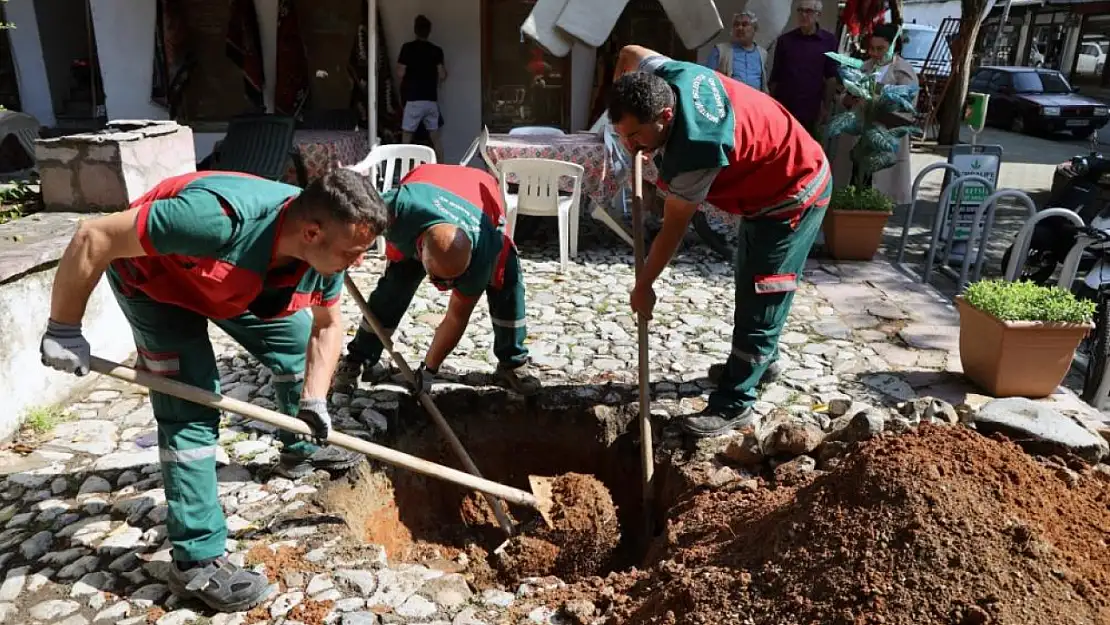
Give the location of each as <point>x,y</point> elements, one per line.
<point>938,526</point>
<point>584,528</point>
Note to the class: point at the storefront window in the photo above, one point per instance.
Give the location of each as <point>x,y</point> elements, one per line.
<point>523,85</point>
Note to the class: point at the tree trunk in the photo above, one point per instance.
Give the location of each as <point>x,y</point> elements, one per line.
<point>895,12</point>
<point>963,52</point>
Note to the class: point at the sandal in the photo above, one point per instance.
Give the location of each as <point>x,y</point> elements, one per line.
<point>220,585</point>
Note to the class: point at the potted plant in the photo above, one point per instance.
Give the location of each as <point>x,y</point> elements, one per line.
<point>856,218</point>
<point>855,221</point>
<point>1019,338</point>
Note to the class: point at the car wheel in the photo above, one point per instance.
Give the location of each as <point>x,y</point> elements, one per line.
<point>1017,124</point>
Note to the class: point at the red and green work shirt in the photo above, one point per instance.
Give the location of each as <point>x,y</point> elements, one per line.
<point>735,147</point>
<point>451,194</point>
<point>209,239</point>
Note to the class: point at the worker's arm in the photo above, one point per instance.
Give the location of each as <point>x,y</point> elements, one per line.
<point>450,330</point>
<point>400,72</point>
<point>325,346</point>
<point>96,243</point>
<point>190,224</point>
<point>441,67</point>
<point>687,191</point>
<point>630,58</point>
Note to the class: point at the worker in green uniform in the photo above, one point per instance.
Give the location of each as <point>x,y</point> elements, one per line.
<point>253,256</point>
<point>717,141</point>
<point>446,223</point>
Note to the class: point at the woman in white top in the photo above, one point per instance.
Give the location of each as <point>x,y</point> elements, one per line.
<point>890,69</point>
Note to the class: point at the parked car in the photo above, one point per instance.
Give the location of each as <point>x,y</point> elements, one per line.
<point>1092,56</point>
<point>1037,100</point>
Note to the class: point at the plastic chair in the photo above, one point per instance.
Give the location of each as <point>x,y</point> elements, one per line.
<point>536,131</point>
<point>387,165</point>
<point>26,129</point>
<point>478,147</point>
<point>538,195</point>
<point>259,145</point>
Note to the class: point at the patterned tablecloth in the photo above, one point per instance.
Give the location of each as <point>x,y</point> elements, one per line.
<point>587,150</point>
<point>322,150</point>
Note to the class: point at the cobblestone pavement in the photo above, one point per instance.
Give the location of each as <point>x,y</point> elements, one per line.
<point>82,509</point>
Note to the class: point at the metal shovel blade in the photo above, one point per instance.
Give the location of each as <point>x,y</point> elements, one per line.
<point>543,492</point>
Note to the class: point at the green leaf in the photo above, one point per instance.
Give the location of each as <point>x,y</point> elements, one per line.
<point>845,60</point>
<point>903,131</point>
<point>847,122</point>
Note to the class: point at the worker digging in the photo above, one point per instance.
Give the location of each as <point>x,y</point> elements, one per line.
<point>752,159</point>
<point>446,222</point>
<point>253,256</point>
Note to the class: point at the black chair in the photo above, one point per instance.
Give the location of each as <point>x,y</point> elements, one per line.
<point>258,144</point>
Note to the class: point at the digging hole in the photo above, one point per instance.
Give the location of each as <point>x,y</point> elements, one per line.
<point>418,518</point>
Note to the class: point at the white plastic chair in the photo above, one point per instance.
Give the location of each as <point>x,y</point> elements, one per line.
<point>536,131</point>
<point>538,195</point>
<point>387,163</point>
<point>478,148</point>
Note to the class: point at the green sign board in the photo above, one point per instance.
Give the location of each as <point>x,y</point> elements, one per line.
<point>978,160</point>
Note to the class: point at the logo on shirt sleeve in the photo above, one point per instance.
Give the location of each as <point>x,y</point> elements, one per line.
<point>708,100</point>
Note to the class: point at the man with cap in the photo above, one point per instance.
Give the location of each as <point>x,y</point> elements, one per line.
<point>718,141</point>
<point>254,257</point>
<point>446,222</point>
<point>802,77</point>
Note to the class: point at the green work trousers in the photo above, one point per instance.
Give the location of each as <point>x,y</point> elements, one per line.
<point>173,342</point>
<point>770,257</point>
<point>397,287</point>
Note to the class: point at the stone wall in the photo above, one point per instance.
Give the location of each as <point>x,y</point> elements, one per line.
<point>109,169</point>
<point>29,251</point>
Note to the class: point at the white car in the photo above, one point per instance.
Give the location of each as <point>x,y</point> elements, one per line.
<point>1092,56</point>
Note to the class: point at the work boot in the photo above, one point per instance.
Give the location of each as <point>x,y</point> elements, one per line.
<point>350,370</point>
<point>519,378</point>
<point>331,459</point>
<point>717,371</point>
<point>715,422</point>
<point>219,584</point>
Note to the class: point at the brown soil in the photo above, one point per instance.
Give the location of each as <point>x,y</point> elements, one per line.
<point>153,614</point>
<point>311,612</point>
<point>939,526</point>
<point>525,556</point>
<point>278,563</point>
<point>584,526</point>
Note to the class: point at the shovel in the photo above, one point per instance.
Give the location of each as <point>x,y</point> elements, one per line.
<point>541,501</point>
<point>647,458</point>
<point>429,405</point>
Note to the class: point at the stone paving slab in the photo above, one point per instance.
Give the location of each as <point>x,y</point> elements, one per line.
<point>82,509</point>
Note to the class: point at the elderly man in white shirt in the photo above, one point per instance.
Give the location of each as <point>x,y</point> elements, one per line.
<point>742,59</point>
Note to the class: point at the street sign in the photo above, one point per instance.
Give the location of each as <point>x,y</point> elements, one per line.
<point>980,160</point>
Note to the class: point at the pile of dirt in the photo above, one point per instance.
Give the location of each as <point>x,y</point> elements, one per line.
<point>583,535</point>
<point>938,526</point>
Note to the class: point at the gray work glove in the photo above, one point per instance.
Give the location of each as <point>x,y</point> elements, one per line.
<point>64,348</point>
<point>314,412</point>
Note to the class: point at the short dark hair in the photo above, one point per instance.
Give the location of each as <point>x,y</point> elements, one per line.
<point>422,26</point>
<point>342,196</point>
<point>640,94</point>
<point>885,31</point>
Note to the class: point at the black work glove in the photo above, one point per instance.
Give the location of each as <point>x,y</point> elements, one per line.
<point>425,378</point>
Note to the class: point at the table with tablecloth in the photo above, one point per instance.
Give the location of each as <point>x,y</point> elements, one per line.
<point>322,150</point>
